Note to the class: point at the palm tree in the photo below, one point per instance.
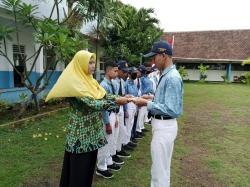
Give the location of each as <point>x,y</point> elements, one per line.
<point>138,32</point>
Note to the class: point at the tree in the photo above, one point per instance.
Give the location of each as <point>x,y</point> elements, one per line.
<point>135,36</point>
<point>183,72</point>
<point>203,70</point>
<point>246,76</point>
<point>82,11</point>
<point>50,34</point>
<point>247,61</point>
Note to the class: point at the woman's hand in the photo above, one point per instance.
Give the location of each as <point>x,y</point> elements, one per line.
<point>150,97</point>
<point>140,102</point>
<point>122,100</point>
<point>108,129</point>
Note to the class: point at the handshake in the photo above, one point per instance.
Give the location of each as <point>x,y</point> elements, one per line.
<point>139,101</point>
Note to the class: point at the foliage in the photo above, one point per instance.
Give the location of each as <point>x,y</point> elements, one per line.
<point>203,69</point>
<point>23,97</point>
<point>135,36</point>
<point>51,35</point>
<point>225,79</point>
<point>246,78</point>
<point>183,72</point>
<point>4,105</point>
<point>82,11</point>
<point>247,61</point>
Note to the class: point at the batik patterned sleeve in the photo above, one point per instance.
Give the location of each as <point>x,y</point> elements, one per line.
<point>98,104</point>
<point>111,97</point>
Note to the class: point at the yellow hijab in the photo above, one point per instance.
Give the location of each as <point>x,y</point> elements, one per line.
<point>75,81</point>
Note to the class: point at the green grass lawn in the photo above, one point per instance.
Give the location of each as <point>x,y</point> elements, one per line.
<point>212,147</point>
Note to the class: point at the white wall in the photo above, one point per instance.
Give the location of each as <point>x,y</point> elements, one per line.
<point>192,75</point>
<point>215,75</point>
<point>4,66</point>
<point>25,39</point>
<point>45,7</point>
<point>212,75</point>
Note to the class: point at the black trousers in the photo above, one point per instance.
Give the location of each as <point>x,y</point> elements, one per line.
<point>78,169</point>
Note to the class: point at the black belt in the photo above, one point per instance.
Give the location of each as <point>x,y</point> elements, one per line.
<point>162,117</point>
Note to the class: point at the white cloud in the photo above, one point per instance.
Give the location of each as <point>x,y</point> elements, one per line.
<point>190,15</point>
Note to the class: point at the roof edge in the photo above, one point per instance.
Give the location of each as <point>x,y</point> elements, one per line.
<point>208,60</point>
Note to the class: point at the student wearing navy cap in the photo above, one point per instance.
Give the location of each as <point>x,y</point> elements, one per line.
<point>119,85</point>
<point>131,89</point>
<point>146,91</point>
<point>164,109</point>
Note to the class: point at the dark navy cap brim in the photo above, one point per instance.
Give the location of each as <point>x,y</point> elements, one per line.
<point>126,70</point>
<point>149,54</point>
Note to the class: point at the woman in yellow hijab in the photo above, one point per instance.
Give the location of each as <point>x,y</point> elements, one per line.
<point>85,133</point>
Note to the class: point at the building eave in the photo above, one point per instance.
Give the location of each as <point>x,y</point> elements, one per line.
<point>205,60</point>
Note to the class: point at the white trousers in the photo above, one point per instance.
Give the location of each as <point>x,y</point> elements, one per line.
<point>104,154</point>
<point>122,136</point>
<point>116,135</point>
<point>164,133</point>
<point>142,116</point>
<point>130,120</point>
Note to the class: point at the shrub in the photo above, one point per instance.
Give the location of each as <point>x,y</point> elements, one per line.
<point>246,78</point>
<point>4,105</point>
<point>183,72</point>
<point>203,70</point>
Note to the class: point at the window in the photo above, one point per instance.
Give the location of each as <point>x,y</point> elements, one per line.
<point>49,59</point>
<point>19,63</point>
<point>102,66</point>
<point>212,66</point>
<point>18,55</point>
<point>239,67</point>
<point>216,66</point>
<point>188,65</point>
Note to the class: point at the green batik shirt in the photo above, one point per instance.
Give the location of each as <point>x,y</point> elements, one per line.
<point>85,128</point>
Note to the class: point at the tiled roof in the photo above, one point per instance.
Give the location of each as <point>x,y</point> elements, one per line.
<point>227,44</point>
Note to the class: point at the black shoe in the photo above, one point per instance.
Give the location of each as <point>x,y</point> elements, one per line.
<point>127,148</point>
<point>141,134</point>
<point>123,154</point>
<point>145,130</point>
<point>138,137</point>
<point>131,144</point>
<point>105,174</point>
<point>134,141</point>
<point>114,167</point>
<point>117,160</point>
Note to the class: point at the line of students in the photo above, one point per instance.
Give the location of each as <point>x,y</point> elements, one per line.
<point>123,127</point>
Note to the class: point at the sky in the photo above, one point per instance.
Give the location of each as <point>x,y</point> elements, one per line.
<point>198,15</point>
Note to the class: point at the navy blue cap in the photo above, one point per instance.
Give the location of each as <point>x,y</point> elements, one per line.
<point>132,70</point>
<point>142,68</point>
<point>122,65</point>
<point>159,48</point>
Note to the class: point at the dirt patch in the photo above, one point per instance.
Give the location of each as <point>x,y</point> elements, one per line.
<point>192,166</point>
<point>46,181</point>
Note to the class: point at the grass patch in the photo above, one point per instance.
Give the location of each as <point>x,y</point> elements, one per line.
<point>213,133</point>
<point>220,123</point>
<point>26,158</point>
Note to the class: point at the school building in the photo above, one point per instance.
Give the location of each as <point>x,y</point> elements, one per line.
<point>10,82</point>
<point>223,51</point>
